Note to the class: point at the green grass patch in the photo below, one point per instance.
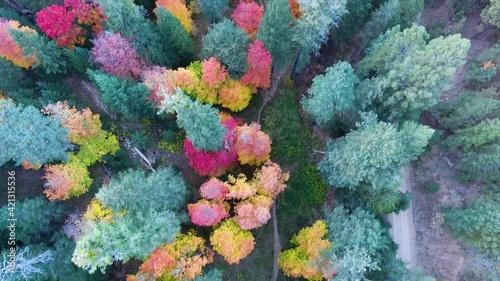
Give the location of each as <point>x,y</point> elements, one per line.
<point>292,139</point>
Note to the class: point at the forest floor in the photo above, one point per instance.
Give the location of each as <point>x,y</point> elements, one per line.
<point>438,253</point>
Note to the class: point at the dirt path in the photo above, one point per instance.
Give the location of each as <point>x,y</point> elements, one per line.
<point>403,228</point>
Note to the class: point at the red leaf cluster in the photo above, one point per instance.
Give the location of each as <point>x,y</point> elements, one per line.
<point>63,23</point>
<point>260,62</point>
<point>213,163</point>
<point>247,16</point>
<point>116,55</point>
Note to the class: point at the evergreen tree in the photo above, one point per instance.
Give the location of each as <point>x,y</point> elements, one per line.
<point>359,242</point>
<point>491,14</point>
<point>139,221</point>
<point>229,44</point>
<point>34,218</point>
<point>469,109</point>
<point>331,93</point>
<point>482,164</point>
<point>165,187</point>
<point>128,19</point>
<point>123,96</point>
<point>478,224</point>
<point>468,139</point>
<point>37,139</point>
<point>50,58</point>
<point>275,31</point>
<point>178,44</point>
<point>411,74</point>
<point>318,18</point>
<point>357,158</point>
<point>201,122</point>
<point>358,11</point>
<point>213,10</point>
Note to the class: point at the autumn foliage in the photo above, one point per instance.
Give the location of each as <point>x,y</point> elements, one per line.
<point>305,260</point>
<point>9,49</point>
<point>254,212</point>
<point>213,72</point>
<point>179,10</point>
<point>260,62</point>
<point>207,213</point>
<point>295,9</point>
<point>214,189</point>
<point>116,55</point>
<point>232,242</point>
<point>82,125</point>
<point>66,23</point>
<point>247,16</point>
<point>208,163</point>
<point>181,259</point>
<point>252,145</point>
<point>84,129</point>
<point>66,180</point>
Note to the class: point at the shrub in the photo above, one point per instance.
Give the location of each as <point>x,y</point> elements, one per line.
<point>431,187</point>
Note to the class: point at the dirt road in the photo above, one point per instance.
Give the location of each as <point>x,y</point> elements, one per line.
<point>403,229</point>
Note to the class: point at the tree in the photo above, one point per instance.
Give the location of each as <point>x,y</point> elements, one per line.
<point>252,145</point>
<point>139,224</point>
<point>178,45</point>
<point>59,22</point>
<point>253,212</point>
<point>29,263</point>
<point>213,72</point>
<point>208,213</point>
<point>359,228</point>
<point>184,258</point>
<point>213,163</point>
<point>235,95</point>
<point>116,55</point>
<point>275,32</point>
<point>127,236</point>
<point>200,121</point>
<point>202,125</point>
<point>10,49</point>
<point>471,138</point>
<point>49,56</point>
<point>34,131</point>
<point>212,275</point>
<point>232,242</point>
<point>240,187</point>
<point>214,189</point>
<point>356,158</point>
<point>477,224</point>
<point>82,125</point>
<point>35,219</point>
<point>469,109</point>
<point>260,62</point>
<point>491,13</point>
<point>271,179</point>
<point>482,164</point>
<point>318,17</point>
<point>164,188</point>
<point>128,19</point>
<point>331,93</point>
<point>179,10</point>
<point>305,259</point>
<point>410,84</point>
<point>123,96</point>
<point>247,16</point>
<point>213,10</point>
<point>66,180</point>
<point>358,12</point>
<point>229,44</point>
